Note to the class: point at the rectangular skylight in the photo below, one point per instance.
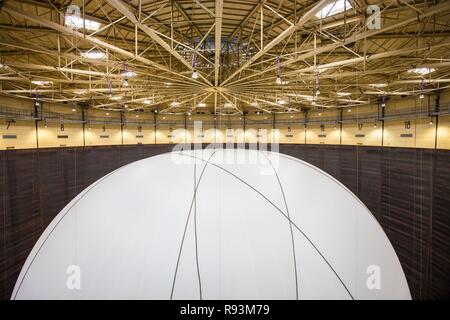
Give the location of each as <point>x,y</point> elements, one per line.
<point>129,74</point>
<point>422,71</point>
<point>378,85</point>
<point>41,83</point>
<point>334,8</point>
<point>80,23</point>
<point>343,94</point>
<point>97,55</point>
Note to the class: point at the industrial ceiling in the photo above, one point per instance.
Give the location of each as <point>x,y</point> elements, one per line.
<point>223,57</point>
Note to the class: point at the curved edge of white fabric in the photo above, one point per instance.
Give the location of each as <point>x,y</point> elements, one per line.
<point>354,196</point>
<point>57,219</point>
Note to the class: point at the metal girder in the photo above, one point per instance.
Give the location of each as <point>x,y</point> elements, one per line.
<point>65,30</point>
<point>121,7</point>
<point>355,37</point>
<point>305,18</point>
<point>218,40</point>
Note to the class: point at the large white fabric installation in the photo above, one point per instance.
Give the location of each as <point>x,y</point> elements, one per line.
<point>214,224</point>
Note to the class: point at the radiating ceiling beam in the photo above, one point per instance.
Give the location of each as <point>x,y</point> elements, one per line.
<point>93,40</point>
<point>218,40</point>
<point>124,9</point>
<point>357,36</point>
<point>286,33</point>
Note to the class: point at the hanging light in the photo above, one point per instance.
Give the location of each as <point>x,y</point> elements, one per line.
<point>194,66</point>
<point>421,90</point>
<point>126,74</point>
<point>431,121</point>
<point>278,81</point>
<point>74,106</point>
<point>383,101</point>
<point>317,84</point>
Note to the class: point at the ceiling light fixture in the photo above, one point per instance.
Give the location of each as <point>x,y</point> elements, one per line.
<point>202,104</point>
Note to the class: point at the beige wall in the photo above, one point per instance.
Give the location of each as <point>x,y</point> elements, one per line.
<point>422,134</point>
<point>289,128</point>
<point>363,134</point>
<point>25,132</point>
<point>96,136</point>
<point>443,134</point>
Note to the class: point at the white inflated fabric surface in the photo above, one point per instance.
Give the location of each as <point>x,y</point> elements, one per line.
<point>214,224</point>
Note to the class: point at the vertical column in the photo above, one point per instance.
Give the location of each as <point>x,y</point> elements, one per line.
<point>37,106</point>
<point>340,120</point>
<point>121,125</point>
<point>305,123</point>
<point>437,109</point>
<point>382,125</point>
<point>83,119</point>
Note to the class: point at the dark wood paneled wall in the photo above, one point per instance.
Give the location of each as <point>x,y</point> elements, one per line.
<point>408,190</point>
